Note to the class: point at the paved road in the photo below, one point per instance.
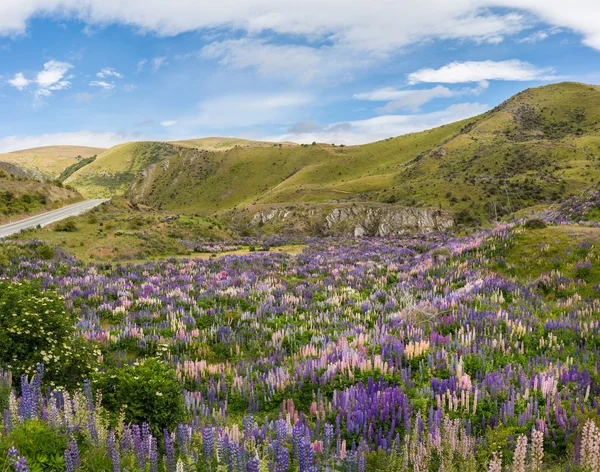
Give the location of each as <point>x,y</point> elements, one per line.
<point>50,217</point>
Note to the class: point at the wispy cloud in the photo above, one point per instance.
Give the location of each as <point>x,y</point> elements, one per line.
<point>109,72</point>
<point>380,127</point>
<point>298,62</point>
<point>168,123</point>
<point>413,99</point>
<point>78,138</point>
<point>477,71</point>
<point>102,84</point>
<point>250,109</point>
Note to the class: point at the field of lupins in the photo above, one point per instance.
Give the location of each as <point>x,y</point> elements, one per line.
<point>411,354</point>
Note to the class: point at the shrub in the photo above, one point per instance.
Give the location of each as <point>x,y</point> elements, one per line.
<point>583,270</point>
<point>68,226</point>
<point>45,252</point>
<point>465,218</point>
<point>535,223</point>
<point>35,329</point>
<point>148,392</point>
<point>42,447</point>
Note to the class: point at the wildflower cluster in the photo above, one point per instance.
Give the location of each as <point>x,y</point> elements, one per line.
<point>400,354</point>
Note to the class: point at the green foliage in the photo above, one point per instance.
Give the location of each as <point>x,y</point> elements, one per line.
<point>42,447</point>
<point>535,223</point>
<point>68,226</point>
<point>35,329</point>
<point>148,392</point>
<point>65,174</point>
<point>465,218</point>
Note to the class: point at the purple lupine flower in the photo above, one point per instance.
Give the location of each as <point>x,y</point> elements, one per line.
<point>113,452</point>
<point>169,451</point>
<point>18,462</point>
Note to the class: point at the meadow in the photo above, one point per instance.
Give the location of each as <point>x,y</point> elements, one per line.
<point>429,352</point>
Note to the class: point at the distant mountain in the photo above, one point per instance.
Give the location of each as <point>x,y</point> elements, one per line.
<point>537,147</point>
<point>44,163</point>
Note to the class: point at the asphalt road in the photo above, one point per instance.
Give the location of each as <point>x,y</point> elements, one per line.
<point>50,217</point>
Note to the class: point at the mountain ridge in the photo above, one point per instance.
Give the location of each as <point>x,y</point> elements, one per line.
<point>534,148</point>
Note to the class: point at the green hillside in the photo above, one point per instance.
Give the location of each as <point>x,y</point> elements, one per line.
<point>20,198</point>
<point>535,148</point>
<point>45,163</point>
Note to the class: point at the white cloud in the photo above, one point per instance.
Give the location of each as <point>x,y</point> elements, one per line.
<point>379,26</point>
<point>540,35</point>
<point>103,84</point>
<point>413,99</point>
<point>381,127</point>
<point>301,63</point>
<point>51,78</point>
<point>477,71</point>
<point>19,81</point>
<point>155,63</point>
<point>250,109</point>
<point>109,72</point>
<point>158,62</point>
<point>168,123</point>
<point>78,138</point>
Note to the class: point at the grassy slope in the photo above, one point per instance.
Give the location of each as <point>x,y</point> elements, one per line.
<point>116,231</point>
<point>114,170</point>
<point>22,198</point>
<point>222,144</point>
<point>539,146</point>
<point>539,251</point>
<point>49,161</point>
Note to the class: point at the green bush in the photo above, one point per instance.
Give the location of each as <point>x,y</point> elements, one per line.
<point>43,448</point>
<point>465,218</point>
<point>67,226</point>
<point>535,223</point>
<point>35,329</point>
<point>148,392</point>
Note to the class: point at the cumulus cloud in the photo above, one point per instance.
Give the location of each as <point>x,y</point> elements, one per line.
<point>378,128</point>
<point>78,138</point>
<point>477,71</point>
<point>19,81</point>
<point>50,79</point>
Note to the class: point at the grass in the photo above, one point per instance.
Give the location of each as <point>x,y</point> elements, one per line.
<point>116,231</point>
<point>49,161</point>
<point>21,198</point>
<point>222,144</point>
<point>540,251</point>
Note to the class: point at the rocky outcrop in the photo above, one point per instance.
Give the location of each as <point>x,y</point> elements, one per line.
<point>355,220</point>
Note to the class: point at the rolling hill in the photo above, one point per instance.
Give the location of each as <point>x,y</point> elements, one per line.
<point>537,147</point>
<point>21,198</point>
<point>44,163</point>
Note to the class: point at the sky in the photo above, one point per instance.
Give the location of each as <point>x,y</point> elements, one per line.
<point>103,72</point>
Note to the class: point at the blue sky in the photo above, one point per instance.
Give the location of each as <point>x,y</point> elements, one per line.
<point>98,73</point>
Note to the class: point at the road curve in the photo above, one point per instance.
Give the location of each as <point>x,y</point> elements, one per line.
<point>50,217</point>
